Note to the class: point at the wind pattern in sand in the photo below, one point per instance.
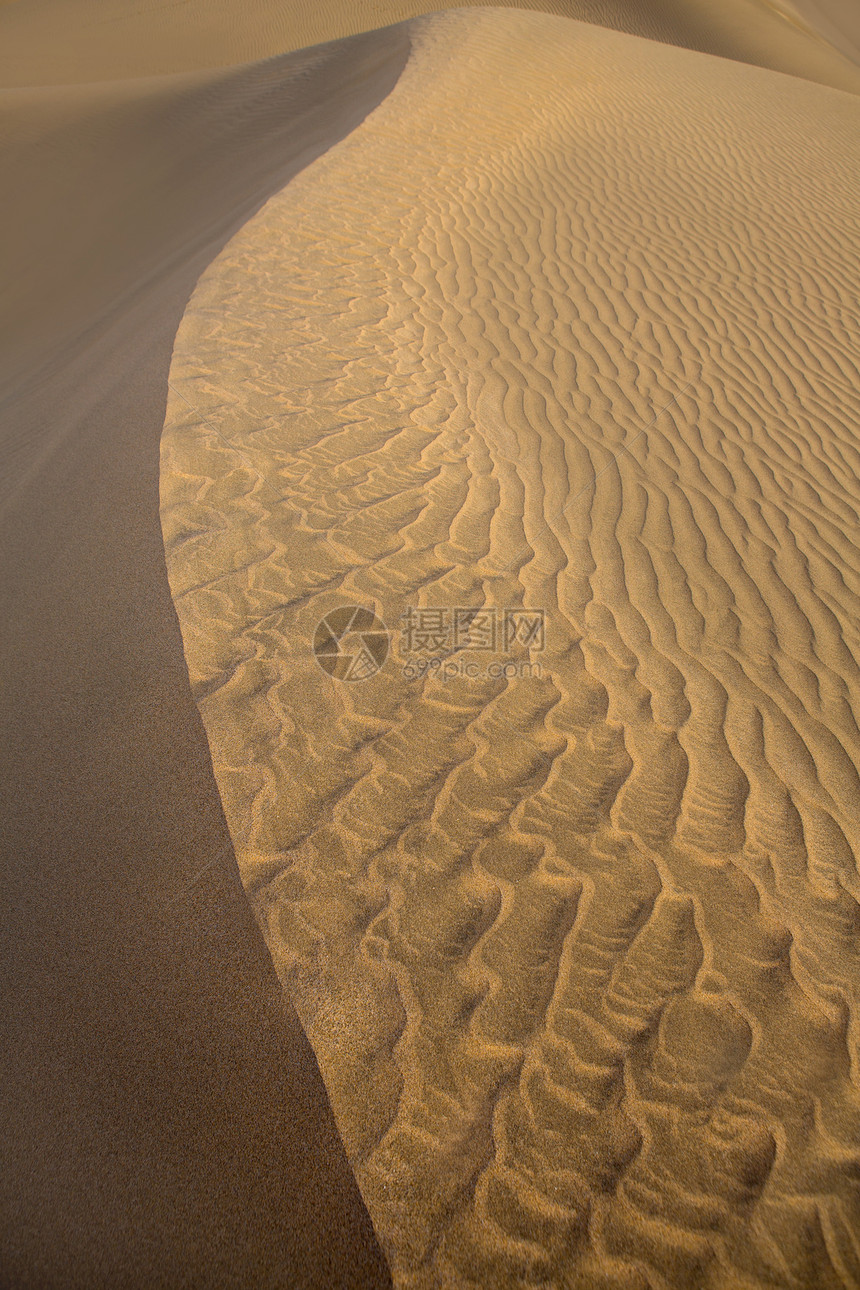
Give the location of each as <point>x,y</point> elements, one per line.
<point>570,322</point>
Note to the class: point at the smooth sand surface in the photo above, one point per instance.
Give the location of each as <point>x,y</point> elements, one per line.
<point>162,1118</point>
<point>569,322</point>
<point>837,21</point>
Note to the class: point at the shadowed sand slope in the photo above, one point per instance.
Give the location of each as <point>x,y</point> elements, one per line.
<point>163,1122</point>
<point>60,41</point>
<point>569,324</point>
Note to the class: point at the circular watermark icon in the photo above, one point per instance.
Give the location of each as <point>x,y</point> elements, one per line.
<point>351,643</point>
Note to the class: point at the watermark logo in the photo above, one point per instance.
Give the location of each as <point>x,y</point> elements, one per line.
<point>351,643</point>
<point>463,669</point>
<point>440,631</point>
<point>471,644</point>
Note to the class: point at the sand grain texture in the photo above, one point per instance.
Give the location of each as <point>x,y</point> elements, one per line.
<point>569,321</point>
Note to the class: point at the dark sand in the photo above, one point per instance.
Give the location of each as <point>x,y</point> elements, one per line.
<point>163,1117</point>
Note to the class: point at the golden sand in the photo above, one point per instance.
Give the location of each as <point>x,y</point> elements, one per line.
<point>568,323</point>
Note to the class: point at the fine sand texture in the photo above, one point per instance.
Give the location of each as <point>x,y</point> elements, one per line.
<point>568,324</point>
<point>163,1122</point>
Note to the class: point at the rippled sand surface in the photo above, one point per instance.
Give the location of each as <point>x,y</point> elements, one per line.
<point>568,324</point>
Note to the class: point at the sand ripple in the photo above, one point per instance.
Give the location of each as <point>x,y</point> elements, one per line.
<point>569,322</point>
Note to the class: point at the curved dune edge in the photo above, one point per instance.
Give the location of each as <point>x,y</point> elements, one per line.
<point>162,1115</point>
<point>569,322</point>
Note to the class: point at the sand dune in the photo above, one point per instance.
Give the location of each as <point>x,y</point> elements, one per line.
<point>568,323</point>
<point>837,21</point>
<point>483,990</point>
<point>60,42</point>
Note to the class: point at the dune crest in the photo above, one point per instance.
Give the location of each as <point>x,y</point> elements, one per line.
<point>567,324</point>
<point>45,42</point>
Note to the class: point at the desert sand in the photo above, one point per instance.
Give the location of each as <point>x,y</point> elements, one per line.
<point>539,316</point>
<point>568,323</point>
<point>163,1118</point>
<point>64,42</point>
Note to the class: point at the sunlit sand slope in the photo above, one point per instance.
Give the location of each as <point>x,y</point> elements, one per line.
<point>568,323</point>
